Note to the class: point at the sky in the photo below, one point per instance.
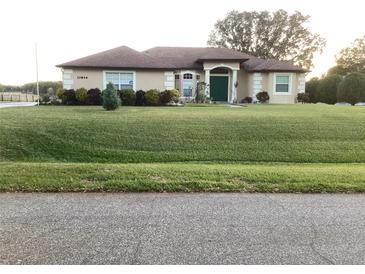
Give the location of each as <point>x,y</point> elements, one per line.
<point>69,29</point>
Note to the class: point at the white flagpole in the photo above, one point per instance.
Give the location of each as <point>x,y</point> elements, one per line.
<point>36,62</point>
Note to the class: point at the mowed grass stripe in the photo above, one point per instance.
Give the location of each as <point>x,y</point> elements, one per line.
<point>270,133</point>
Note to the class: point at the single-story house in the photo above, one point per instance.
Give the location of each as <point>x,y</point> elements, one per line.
<point>229,75</point>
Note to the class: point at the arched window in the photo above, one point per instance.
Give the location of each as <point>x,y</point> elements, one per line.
<point>188,85</point>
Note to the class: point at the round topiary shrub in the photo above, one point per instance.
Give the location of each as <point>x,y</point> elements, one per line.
<point>165,97</point>
<point>327,89</point>
<point>94,97</point>
<point>81,95</point>
<point>128,97</point>
<point>175,95</point>
<point>111,101</point>
<point>70,97</point>
<point>352,89</point>
<point>263,97</point>
<point>140,98</point>
<point>152,97</point>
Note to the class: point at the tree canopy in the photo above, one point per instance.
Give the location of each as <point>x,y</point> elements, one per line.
<point>266,35</point>
<point>350,59</point>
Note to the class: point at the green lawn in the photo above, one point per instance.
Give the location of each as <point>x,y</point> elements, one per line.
<point>307,148</point>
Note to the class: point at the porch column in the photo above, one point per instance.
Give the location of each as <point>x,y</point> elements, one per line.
<point>207,82</point>
<point>233,98</point>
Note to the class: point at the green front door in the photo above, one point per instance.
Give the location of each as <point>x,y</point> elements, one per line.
<point>219,88</point>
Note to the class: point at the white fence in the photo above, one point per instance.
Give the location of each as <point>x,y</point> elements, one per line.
<point>17,97</point>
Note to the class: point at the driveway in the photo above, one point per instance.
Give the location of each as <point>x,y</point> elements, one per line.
<point>17,104</point>
<point>182,229</point>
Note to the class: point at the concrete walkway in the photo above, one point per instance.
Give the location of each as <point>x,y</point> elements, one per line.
<point>17,104</point>
<point>182,229</point>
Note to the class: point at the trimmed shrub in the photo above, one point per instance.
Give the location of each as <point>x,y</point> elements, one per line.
<point>303,98</point>
<point>327,89</point>
<point>128,97</point>
<point>61,94</point>
<point>81,95</point>
<point>169,96</point>
<point>152,97</point>
<point>352,89</point>
<point>247,100</point>
<point>140,98</point>
<point>94,97</point>
<point>111,100</point>
<point>201,98</point>
<point>44,99</point>
<point>311,89</point>
<point>175,95</point>
<point>165,97</point>
<point>263,97</point>
<point>70,97</point>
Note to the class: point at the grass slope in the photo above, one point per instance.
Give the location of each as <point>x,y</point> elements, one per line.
<point>272,148</point>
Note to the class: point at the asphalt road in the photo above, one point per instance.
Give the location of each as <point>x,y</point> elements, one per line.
<point>182,229</point>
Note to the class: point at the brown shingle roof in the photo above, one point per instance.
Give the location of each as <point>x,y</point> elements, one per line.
<point>191,57</point>
<point>175,58</point>
<point>256,64</point>
<point>121,57</point>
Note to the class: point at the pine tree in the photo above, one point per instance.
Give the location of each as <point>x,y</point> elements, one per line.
<point>111,101</point>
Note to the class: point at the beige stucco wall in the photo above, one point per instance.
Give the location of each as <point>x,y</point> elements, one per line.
<point>267,84</point>
<point>94,78</point>
<point>243,85</point>
<point>146,80</point>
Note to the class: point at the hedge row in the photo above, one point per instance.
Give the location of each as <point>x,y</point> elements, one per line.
<point>336,88</point>
<point>80,96</point>
<point>129,97</point>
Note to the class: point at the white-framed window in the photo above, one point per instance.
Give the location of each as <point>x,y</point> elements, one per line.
<point>282,83</point>
<point>188,84</point>
<point>120,79</point>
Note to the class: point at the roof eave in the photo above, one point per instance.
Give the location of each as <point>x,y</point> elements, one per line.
<point>278,70</point>
<point>241,60</point>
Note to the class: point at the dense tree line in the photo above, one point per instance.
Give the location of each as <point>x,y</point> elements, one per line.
<point>45,87</point>
<point>344,82</point>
